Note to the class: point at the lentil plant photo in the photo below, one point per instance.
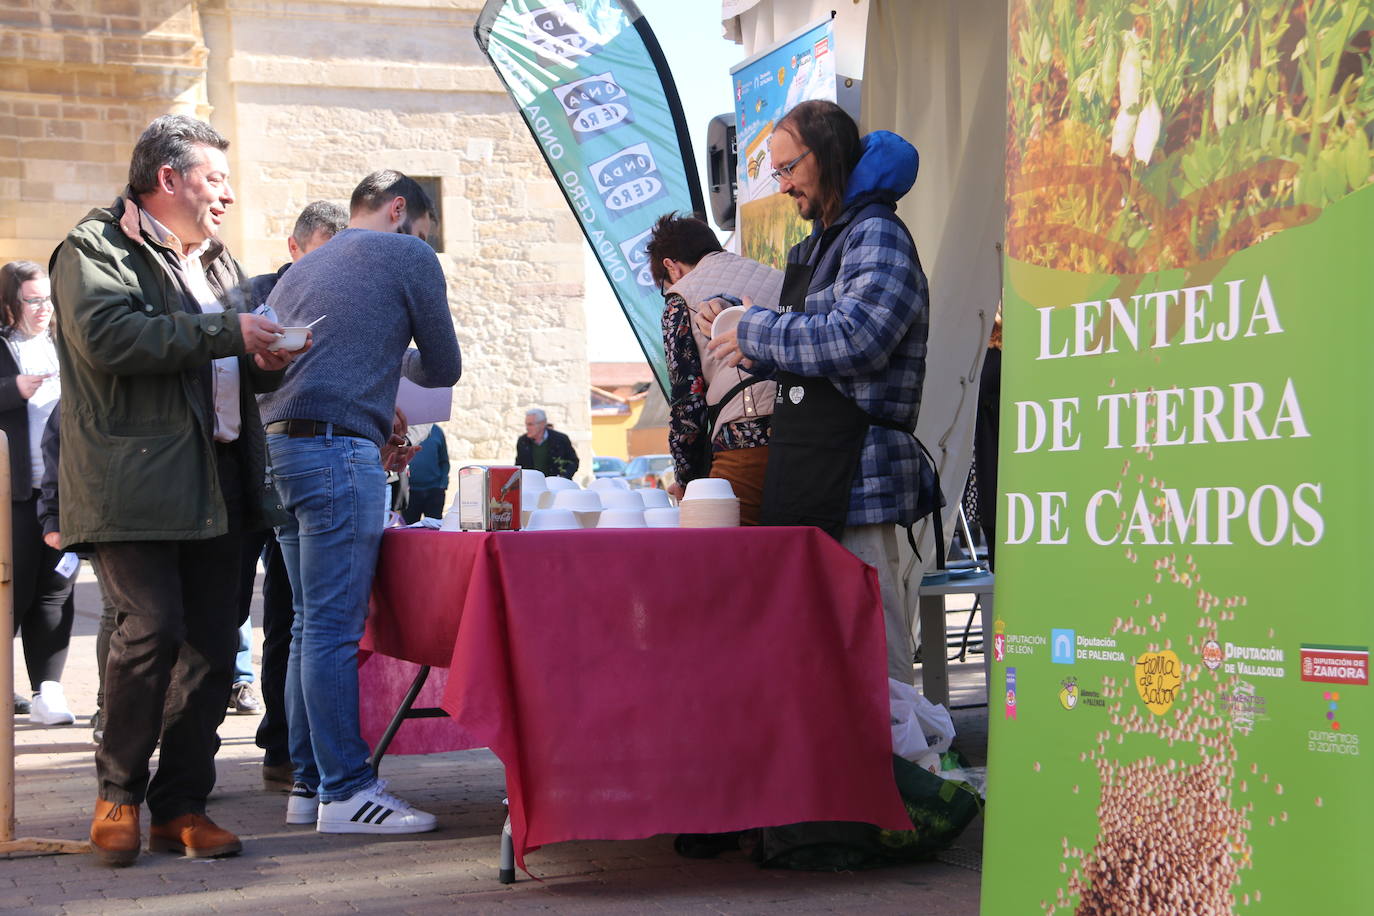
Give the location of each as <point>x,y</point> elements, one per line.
<point>1160,135</point>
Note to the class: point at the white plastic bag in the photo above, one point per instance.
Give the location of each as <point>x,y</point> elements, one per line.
<point>919,727</point>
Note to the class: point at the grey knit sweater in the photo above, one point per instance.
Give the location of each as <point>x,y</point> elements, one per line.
<point>379,291</point>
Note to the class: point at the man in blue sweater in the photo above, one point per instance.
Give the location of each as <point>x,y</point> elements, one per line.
<point>376,286</point>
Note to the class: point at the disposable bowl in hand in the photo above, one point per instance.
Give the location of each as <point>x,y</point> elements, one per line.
<point>290,339</point>
<point>727,320</point>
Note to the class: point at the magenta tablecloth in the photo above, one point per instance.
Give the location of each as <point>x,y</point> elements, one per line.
<point>644,681</point>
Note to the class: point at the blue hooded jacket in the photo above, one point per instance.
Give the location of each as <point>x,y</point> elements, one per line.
<point>865,325</point>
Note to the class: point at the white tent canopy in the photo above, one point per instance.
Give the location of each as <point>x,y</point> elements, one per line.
<point>934,71</point>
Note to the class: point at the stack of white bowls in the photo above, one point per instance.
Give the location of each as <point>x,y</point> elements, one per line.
<point>532,490</point>
<point>553,486</point>
<point>585,504</point>
<point>622,518</point>
<point>709,502</point>
<point>620,509</point>
<point>621,499</point>
<point>553,520</point>
<point>662,517</point>
<point>654,498</point>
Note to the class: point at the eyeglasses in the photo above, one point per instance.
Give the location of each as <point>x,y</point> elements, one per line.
<point>34,302</point>
<point>785,171</point>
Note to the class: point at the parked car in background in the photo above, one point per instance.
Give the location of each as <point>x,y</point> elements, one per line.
<point>647,471</point>
<point>607,466</point>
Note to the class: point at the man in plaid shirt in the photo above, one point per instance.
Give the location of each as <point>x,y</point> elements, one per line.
<point>863,327</point>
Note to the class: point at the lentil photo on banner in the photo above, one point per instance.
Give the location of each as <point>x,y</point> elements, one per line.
<point>1181,652</point>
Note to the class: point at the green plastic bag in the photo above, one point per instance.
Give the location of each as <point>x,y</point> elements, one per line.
<point>939,809</point>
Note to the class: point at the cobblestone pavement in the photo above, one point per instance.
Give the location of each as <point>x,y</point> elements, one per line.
<point>293,869</point>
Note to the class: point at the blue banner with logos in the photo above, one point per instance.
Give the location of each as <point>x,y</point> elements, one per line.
<point>767,86</point>
<point>594,89</point>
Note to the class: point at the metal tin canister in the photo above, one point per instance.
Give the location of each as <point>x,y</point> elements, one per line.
<point>489,498</point>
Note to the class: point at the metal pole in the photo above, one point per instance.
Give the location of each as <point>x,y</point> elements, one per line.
<point>8,842</point>
<point>7,656</point>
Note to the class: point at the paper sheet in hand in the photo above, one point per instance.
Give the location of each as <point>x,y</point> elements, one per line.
<point>424,405</point>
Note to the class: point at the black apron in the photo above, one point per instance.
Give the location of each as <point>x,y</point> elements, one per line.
<point>817,437</point>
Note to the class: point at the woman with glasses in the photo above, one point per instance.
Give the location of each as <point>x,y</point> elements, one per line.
<point>29,390</point>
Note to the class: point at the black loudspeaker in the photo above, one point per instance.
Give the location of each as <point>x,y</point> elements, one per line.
<point>722,160</point>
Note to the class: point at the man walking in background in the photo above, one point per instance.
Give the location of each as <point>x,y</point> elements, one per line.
<point>161,472</point>
<point>543,448</point>
<point>377,286</point>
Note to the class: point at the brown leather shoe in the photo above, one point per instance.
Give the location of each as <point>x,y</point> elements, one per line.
<point>114,833</point>
<point>278,777</point>
<point>195,835</point>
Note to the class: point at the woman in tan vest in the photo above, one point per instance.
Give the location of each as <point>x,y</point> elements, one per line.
<point>719,416</point>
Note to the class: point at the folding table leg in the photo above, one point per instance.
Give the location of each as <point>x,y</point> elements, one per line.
<point>507,873</point>
<point>402,713</point>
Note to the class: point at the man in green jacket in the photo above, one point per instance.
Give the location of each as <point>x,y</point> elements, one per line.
<point>162,470</point>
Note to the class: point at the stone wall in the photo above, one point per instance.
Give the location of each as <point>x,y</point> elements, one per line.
<point>314,94</point>
<point>79,80</point>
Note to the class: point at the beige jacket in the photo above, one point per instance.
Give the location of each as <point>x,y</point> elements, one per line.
<point>724,273</point>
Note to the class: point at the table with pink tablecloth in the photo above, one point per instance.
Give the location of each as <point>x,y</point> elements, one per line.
<point>642,681</point>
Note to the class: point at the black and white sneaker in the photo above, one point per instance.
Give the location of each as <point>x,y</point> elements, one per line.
<point>373,810</point>
<point>302,805</point>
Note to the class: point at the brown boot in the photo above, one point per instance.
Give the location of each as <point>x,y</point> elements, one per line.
<point>114,833</point>
<point>195,835</point>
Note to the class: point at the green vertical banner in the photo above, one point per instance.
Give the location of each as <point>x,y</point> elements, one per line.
<point>595,91</point>
<point>1182,718</point>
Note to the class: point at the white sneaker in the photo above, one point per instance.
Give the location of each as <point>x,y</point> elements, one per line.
<point>373,810</point>
<point>50,706</point>
<point>302,805</point>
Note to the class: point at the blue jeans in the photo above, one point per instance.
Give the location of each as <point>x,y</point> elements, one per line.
<point>243,661</point>
<point>335,489</point>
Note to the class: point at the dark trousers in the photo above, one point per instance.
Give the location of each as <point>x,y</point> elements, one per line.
<point>277,615</point>
<point>172,651</point>
<point>424,502</point>
<point>43,607</point>
<point>102,641</point>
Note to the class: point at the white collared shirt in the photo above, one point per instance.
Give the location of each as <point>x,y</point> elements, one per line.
<point>225,371</point>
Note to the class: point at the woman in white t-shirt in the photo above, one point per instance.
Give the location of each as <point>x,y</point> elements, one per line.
<point>43,576</point>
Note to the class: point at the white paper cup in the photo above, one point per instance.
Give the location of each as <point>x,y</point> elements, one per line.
<point>291,339</point>
<point>622,518</point>
<point>654,498</point>
<point>560,483</point>
<point>553,520</point>
<point>532,482</point>
<point>616,498</point>
<point>661,517</point>
<point>577,500</point>
<point>727,320</point>
<point>606,484</point>
<point>709,488</point>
